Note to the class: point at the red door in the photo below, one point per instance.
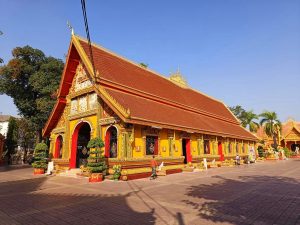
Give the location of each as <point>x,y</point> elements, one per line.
<point>107,143</point>
<point>188,151</point>
<point>57,147</point>
<point>220,151</point>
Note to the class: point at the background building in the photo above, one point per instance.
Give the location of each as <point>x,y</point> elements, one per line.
<point>288,137</point>
<point>4,124</point>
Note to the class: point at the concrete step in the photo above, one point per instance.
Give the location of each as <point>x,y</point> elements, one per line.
<point>70,173</point>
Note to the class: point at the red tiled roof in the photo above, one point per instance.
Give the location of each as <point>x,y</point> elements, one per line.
<point>4,118</point>
<point>153,98</point>
<point>214,118</point>
<point>121,71</point>
<point>142,109</point>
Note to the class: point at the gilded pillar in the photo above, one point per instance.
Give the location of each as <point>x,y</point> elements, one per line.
<point>199,146</point>
<point>124,145</point>
<point>130,139</point>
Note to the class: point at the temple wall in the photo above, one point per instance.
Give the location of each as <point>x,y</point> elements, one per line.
<point>139,146</point>
<point>164,144</point>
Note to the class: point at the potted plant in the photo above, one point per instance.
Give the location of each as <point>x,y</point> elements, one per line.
<point>96,162</point>
<point>40,158</point>
<point>117,172</point>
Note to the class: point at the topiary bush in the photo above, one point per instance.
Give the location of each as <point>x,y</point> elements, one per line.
<point>260,151</point>
<point>287,152</point>
<point>40,156</point>
<point>96,162</point>
<point>117,172</point>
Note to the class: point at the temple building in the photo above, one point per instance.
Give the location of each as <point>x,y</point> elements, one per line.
<point>138,113</point>
<point>288,137</point>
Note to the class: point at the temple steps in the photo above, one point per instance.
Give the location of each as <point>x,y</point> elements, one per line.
<point>70,173</point>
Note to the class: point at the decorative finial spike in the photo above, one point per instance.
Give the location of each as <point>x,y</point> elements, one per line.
<point>70,27</point>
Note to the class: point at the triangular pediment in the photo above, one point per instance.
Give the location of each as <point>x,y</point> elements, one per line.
<point>293,134</point>
<point>81,79</point>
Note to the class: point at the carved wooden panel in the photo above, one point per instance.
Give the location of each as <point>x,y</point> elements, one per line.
<point>74,105</point>
<point>82,104</point>
<point>150,131</point>
<point>107,111</point>
<point>62,120</point>
<point>93,101</point>
<point>81,79</point>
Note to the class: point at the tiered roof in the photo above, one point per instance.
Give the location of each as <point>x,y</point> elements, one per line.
<point>146,97</point>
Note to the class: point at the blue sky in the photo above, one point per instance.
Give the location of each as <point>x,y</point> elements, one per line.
<point>241,52</point>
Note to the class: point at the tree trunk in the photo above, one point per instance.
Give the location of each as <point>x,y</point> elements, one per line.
<point>38,137</point>
<point>25,155</point>
<point>275,141</point>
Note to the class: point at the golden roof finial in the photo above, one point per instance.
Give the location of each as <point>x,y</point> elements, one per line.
<point>178,79</point>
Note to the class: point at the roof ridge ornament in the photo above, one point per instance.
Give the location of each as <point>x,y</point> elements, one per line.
<point>70,27</point>
<point>178,79</point>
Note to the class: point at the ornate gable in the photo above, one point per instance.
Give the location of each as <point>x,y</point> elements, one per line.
<point>293,135</point>
<point>108,116</point>
<point>62,120</point>
<point>81,80</point>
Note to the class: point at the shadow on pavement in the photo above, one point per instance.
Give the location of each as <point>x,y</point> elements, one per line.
<point>6,168</point>
<point>248,200</point>
<point>21,202</point>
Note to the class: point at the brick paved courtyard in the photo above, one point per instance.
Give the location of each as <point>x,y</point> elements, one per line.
<point>262,193</point>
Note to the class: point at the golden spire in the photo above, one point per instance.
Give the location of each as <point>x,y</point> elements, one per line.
<point>178,79</point>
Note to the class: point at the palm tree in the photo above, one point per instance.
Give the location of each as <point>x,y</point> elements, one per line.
<point>247,121</point>
<point>271,125</point>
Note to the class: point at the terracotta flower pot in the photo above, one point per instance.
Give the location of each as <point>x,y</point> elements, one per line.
<point>96,177</point>
<point>38,171</point>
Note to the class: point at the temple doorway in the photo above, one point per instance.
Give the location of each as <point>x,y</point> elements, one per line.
<point>186,150</point>
<point>80,139</point>
<point>111,142</point>
<point>294,147</point>
<point>84,136</point>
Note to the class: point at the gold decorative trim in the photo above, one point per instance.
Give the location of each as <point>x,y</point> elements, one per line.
<point>83,56</point>
<point>81,92</point>
<point>59,130</point>
<point>118,106</point>
<point>82,114</point>
<point>209,156</point>
<point>145,159</point>
<point>109,120</point>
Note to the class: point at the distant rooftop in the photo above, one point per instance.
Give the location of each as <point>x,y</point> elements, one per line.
<point>4,118</point>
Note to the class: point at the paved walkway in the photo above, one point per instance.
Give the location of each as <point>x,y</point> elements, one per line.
<point>261,193</point>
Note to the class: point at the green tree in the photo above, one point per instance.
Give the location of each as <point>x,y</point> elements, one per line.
<point>11,137</point>
<point>238,111</point>
<point>271,125</point>
<point>31,79</point>
<point>96,162</point>
<point>145,65</point>
<point>248,118</point>
<point>25,135</point>
<point>40,156</point>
